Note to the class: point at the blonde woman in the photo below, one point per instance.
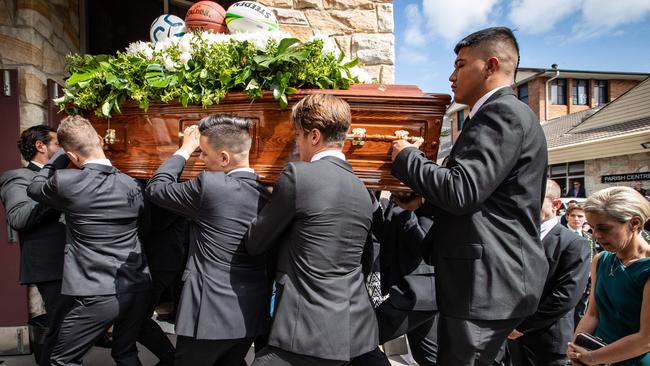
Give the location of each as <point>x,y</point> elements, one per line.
<point>619,306</point>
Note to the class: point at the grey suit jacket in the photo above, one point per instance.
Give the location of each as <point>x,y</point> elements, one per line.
<point>225,290</point>
<point>319,216</point>
<point>551,327</point>
<point>484,241</point>
<point>40,230</point>
<point>102,208</point>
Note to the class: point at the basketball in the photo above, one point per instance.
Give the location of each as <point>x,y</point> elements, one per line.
<point>249,16</point>
<point>206,15</point>
<point>166,26</point>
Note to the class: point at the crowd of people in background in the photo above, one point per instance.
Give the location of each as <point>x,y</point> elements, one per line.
<point>476,265</point>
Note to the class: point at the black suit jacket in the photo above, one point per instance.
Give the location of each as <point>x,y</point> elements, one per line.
<point>41,231</point>
<point>102,208</point>
<point>405,276</point>
<point>166,240</point>
<point>319,217</point>
<point>571,192</point>
<point>551,327</point>
<point>485,241</point>
<point>225,290</point>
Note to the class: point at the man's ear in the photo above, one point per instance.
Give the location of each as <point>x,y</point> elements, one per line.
<point>492,65</point>
<point>557,204</point>
<point>315,136</point>
<point>40,146</point>
<point>225,158</point>
<point>74,158</point>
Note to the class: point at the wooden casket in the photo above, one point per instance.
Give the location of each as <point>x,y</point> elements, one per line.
<point>137,142</point>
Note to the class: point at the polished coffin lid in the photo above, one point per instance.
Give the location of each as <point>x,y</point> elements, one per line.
<point>143,140</point>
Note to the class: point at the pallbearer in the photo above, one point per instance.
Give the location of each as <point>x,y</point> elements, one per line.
<point>318,218</point>
<point>224,303</point>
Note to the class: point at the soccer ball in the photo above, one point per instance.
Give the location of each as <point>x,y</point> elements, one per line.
<point>249,16</point>
<point>166,26</point>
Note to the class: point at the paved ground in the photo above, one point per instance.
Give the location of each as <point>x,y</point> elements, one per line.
<point>102,356</point>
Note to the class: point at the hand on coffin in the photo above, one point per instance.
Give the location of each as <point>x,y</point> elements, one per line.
<point>399,145</point>
<point>191,136</point>
<point>409,201</point>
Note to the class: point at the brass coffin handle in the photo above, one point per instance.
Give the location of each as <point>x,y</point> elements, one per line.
<point>359,137</point>
<point>110,138</point>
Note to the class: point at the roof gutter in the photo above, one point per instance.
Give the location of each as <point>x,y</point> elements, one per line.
<point>557,74</point>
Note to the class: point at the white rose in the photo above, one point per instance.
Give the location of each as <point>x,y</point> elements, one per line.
<point>361,74</point>
<point>169,64</point>
<point>185,57</point>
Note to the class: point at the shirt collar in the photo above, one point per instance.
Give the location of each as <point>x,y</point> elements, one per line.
<point>37,164</point>
<point>335,153</point>
<point>479,103</point>
<point>99,161</point>
<point>547,226</point>
<point>249,170</point>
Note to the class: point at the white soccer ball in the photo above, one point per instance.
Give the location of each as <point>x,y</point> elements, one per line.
<point>166,26</point>
<point>250,16</point>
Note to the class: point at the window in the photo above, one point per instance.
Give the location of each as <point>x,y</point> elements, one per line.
<point>558,91</point>
<point>565,174</point>
<point>601,92</point>
<point>523,92</point>
<point>580,92</point>
<point>460,115</point>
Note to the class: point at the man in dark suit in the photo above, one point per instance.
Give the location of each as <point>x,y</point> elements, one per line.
<point>104,268</point>
<point>225,298</point>
<point>484,243</point>
<point>165,243</point>
<point>409,282</point>
<point>41,232</point>
<point>319,217</point>
<point>577,190</point>
<point>542,337</point>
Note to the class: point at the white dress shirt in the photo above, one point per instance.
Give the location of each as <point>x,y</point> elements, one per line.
<point>547,226</point>
<point>37,164</point>
<point>99,161</point>
<point>486,96</point>
<point>335,153</point>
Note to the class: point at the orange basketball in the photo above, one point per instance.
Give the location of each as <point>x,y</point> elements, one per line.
<point>206,15</point>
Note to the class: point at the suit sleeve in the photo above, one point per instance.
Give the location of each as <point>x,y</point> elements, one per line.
<point>23,213</point>
<point>45,185</point>
<point>487,154</point>
<point>276,217</point>
<point>165,191</point>
<point>569,283</point>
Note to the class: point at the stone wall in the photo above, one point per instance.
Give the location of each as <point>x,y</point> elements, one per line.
<point>35,36</point>
<point>361,28</point>
<point>595,168</point>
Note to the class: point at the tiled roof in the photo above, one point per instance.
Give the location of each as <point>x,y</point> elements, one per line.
<point>560,131</point>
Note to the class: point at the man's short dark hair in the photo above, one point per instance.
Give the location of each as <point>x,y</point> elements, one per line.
<point>576,207</point>
<point>27,141</point>
<point>495,41</point>
<point>227,132</point>
<point>324,112</point>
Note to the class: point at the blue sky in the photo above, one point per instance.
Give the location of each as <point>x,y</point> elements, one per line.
<point>599,35</point>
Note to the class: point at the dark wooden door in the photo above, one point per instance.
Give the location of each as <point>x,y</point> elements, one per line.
<point>14,309</point>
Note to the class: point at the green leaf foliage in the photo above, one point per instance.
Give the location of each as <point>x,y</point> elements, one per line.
<point>199,70</point>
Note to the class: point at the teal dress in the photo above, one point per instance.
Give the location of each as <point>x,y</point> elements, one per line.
<point>619,292</point>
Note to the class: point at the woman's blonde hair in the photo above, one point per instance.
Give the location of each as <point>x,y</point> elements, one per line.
<point>620,203</point>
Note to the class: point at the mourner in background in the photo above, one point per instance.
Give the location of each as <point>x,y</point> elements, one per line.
<point>225,300</point>
<point>484,243</point>
<point>41,231</point>
<point>577,190</point>
<point>541,338</point>
<point>319,218</point>
<point>407,280</point>
<point>104,267</point>
<point>619,305</point>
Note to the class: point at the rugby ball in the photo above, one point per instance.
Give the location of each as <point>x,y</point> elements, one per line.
<point>250,16</point>
<point>166,26</point>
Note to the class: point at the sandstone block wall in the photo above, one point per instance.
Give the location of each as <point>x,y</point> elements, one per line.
<point>35,36</point>
<point>361,28</point>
